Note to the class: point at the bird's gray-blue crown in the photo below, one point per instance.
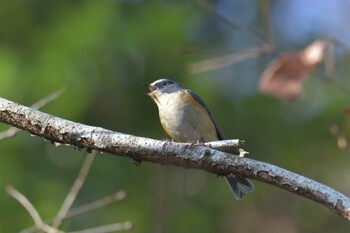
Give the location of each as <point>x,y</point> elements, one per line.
<point>165,86</point>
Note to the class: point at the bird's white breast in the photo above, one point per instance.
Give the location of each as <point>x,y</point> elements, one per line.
<point>183,120</point>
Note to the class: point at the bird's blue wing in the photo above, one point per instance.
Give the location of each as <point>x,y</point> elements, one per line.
<point>239,185</point>
<point>201,102</point>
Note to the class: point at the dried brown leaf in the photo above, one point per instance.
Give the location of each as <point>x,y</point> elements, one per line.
<point>284,77</point>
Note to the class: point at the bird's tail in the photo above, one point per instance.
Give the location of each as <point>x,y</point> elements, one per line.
<point>239,186</point>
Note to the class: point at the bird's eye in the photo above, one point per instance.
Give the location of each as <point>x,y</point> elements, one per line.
<point>163,83</point>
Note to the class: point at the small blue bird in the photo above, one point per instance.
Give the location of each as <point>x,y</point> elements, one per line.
<point>185,118</point>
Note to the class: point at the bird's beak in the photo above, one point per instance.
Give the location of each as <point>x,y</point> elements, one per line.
<point>151,88</point>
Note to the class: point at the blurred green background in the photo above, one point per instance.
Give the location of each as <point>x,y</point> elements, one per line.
<point>106,49</point>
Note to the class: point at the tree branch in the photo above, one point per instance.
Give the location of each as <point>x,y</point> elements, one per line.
<point>198,156</point>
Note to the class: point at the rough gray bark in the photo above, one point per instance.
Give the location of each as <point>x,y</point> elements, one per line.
<point>205,157</point>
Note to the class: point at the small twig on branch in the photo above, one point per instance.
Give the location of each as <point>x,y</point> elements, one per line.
<point>186,155</point>
<point>232,146</point>
<point>12,131</point>
<point>62,213</point>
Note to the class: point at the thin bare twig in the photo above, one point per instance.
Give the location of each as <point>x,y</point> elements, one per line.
<point>26,204</point>
<point>12,131</point>
<point>62,213</point>
<point>231,58</point>
<point>107,228</point>
<point>329,61</point>
<point>206,5</point>
<point>46,228</point>
<point>118,196</point>
<point>208,51</point>
<point>266,20</point>
<point>31,210</point>
<point>225,60</point>
<point>51,97</point>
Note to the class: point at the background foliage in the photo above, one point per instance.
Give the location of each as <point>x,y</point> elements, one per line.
<point>106,49</point>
